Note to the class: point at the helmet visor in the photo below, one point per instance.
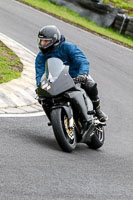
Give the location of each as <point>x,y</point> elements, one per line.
<point>43,43</point>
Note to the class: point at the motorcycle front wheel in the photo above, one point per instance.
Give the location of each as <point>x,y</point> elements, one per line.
<point>65,136</point>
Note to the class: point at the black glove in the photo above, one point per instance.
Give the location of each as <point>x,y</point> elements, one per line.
<point>82,78</point>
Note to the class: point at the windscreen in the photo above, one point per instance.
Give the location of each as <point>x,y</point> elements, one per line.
<point>56,78</point>
<point>53,68</point>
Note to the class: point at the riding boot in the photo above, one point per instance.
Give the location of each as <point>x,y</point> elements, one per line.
<point>100,114</point>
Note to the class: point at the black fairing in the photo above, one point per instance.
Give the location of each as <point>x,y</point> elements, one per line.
<point>60,85</point>
<point>77,99</point>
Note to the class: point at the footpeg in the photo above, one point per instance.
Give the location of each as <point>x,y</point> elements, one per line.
<point>97,122</point>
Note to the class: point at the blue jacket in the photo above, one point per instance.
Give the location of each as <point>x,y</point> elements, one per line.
<point>69,53</point>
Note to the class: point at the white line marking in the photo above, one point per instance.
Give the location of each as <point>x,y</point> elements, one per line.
<point>38,114</point>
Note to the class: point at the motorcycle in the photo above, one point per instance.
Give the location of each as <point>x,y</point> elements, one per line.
<point>68,108</point>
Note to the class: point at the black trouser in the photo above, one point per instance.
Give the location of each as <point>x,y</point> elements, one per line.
<point>92,92</point>
<point>91,89</point>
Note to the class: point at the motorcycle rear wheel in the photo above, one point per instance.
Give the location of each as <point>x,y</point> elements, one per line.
<point>65,137</point>
<point>97,139</point>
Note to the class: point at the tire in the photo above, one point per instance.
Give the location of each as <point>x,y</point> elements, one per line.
<point>97,139</point>
<point>65,141</point>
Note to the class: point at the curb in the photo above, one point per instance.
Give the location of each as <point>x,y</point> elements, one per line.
<point>18,95</point>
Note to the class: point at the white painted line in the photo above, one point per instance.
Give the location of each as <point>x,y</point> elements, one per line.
<point>38,114</point>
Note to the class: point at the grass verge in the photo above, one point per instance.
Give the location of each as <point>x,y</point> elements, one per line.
<point>10,65</point>
<point>72,17</point>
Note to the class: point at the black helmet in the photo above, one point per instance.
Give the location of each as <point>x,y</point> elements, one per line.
<point>48,33</point>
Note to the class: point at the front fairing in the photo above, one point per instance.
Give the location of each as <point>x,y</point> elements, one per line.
<point>56,79</point>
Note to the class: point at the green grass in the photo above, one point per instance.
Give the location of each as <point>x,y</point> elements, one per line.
<point>127,5</point>
<point>10,65</point>
<point>71,16</point>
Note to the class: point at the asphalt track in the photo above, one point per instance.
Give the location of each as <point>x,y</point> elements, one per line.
<point>31,163</point>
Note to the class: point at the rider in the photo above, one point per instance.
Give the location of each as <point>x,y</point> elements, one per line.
<point>53,44</point>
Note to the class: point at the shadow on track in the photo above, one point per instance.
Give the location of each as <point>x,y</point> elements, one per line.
<point>42,140</point>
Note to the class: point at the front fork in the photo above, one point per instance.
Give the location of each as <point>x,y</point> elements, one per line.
<point>69,113</point>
